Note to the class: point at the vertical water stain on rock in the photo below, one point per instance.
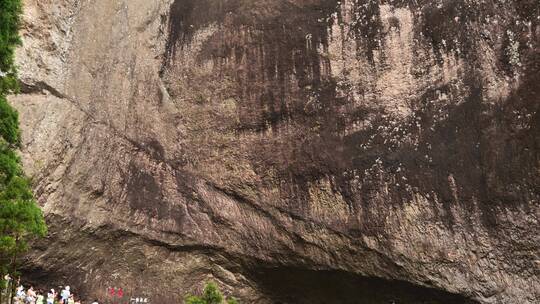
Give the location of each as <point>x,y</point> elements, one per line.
<point>144,192</point>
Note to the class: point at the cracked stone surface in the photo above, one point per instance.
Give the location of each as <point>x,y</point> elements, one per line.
<point>294,151</point>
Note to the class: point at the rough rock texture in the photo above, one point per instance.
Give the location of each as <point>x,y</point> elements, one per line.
<point>295,151</point>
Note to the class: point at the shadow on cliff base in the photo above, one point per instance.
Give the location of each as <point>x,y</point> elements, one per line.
<point>289,285</point>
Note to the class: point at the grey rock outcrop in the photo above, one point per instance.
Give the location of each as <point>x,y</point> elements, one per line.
<point>295,151</point>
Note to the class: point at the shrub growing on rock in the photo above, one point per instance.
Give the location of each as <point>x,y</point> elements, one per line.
<point>211,295</point>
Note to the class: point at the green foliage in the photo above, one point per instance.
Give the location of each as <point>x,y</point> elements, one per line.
<point>211,295</point>
<point>194,300</point>
<point>232,301</point>
<point>10,11</point>
<point>21,218</point>
<point>9,165</point>
<point>9,122</point>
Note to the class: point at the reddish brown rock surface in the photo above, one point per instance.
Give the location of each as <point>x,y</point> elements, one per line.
<point>294,151</point>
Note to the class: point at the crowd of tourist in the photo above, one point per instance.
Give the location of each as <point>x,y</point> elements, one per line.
<point>31,296</point>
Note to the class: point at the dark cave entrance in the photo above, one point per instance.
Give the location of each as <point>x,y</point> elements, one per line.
<point>297,286</point>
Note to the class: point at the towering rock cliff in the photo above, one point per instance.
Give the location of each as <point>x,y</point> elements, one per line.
<point>295,151</point>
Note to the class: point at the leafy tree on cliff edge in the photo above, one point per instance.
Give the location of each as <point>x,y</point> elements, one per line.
<point>20,217</point>
<point>211,295</point>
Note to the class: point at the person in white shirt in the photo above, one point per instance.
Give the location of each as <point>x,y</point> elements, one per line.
<point>50,296</point>
<point>20,294</point>
<point>65,295</point>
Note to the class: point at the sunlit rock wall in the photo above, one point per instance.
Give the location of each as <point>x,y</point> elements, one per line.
<point>173,142</point>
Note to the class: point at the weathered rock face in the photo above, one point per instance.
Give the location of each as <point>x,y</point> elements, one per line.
<point>295,151</point>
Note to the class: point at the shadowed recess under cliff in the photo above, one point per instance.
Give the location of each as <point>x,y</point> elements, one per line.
<point>298,286</point>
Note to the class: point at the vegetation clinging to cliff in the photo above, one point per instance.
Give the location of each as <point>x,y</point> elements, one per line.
<point>20,216</point>
<point>211,295</point>
<point>10,11</point>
